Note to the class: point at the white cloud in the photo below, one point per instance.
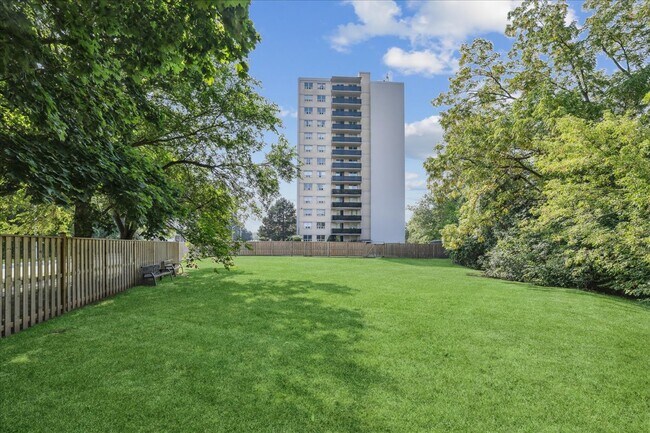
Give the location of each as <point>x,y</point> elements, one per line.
<point>422,136</point>
<point>425,62</point>
<point>375,19</point>
<point>434,29</point>
<point>414,183</point>
<point>439,19</point>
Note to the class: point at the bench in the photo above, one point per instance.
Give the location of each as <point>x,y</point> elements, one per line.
<point>172,266</point>
<point>154,272</point>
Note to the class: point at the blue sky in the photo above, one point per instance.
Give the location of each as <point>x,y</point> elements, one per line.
<point>414,42</point>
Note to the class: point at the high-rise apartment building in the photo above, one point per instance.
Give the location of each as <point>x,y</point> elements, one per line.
<point>351,149</point>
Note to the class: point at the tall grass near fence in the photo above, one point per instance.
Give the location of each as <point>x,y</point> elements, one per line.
<point>44,277</point>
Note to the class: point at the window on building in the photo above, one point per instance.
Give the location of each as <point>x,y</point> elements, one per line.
<point>320,174</point>
<point>307,225</point>
<point>308,98</point>
<point>306,238</point>
<point>308,85</point>
<point>308,110</point>
<point>309,122</point>
<point>320,226</point>
<point>321,123</point>
<point>306,186</point>
<point>309,135</point>
<point>320,238</point>
<point>320,199</point>
<point>320,86</point>
<point>308,199</point>
<point>308,147</point>
<point>307,212</point>
<point>320,98</point>
<point>321,136</point>
<point>308,173</point>
<point>307,161</point>
<point>321,186</point>
<point>320,148</point>
<point>320,212</point>
<point>320,161</point>
<point>320,110</point>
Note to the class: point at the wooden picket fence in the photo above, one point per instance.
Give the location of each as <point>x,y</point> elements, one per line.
<point>343,249</point>
<point>45,276</point>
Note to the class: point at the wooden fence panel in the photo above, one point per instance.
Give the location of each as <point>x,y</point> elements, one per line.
<point>342,249</point>
<point>3,272</point>
<point>33,286</point>
<point>25,283</point>
<point>43,276</point>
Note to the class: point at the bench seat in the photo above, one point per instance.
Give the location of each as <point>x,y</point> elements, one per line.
<point>154,272</point>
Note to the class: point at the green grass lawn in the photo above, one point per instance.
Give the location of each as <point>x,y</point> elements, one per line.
<point>290,344</point>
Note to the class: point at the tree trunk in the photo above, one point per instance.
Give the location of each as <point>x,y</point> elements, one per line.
<point>83,219</point>
<point>127,229</point>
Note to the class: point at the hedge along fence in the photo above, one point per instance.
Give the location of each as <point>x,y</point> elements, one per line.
<point>343,249</point>
<point>44,276</point>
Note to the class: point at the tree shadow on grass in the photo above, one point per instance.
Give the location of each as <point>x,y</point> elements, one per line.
<point>287,361</point>
<point>209,353</point>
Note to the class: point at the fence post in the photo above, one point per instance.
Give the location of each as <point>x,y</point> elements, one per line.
<point>63,268</point>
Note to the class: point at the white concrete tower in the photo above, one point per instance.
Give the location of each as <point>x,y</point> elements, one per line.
<point>351,148</point>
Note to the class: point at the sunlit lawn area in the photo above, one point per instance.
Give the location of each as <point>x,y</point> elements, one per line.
<point>288,344</point>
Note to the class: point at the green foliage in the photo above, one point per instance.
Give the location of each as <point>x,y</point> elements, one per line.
<point>548,153</point>
<point>429,218</point>
<point>20,216</point>
<point>209,230</point>
<point>279,223</point>
<point>76,78</point>
<point>141,113</point>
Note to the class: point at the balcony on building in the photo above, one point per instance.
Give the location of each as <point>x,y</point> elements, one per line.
<point>346,191</point>
<point>346,128</point>
<point>346,204</point>
<point>346,179</point>
<point>345,114</point>
<point>346,102</point>
<point>346,89</point>
<point>346,217</point>
<point>346,231</point>
<point>348,153</point>
<point>347,165</point>
<point>346,140</point>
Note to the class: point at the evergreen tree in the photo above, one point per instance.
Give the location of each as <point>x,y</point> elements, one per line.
<point>280,221</point>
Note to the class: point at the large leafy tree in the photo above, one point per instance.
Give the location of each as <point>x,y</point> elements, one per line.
<point>141,111</point>
<point>76,78</point>
<point>536,142</point>
<point>279,223</point>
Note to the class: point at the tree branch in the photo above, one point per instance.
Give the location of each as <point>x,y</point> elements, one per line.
<point>618,65</point>
<point>189,162</point>
<point>147,142</point>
